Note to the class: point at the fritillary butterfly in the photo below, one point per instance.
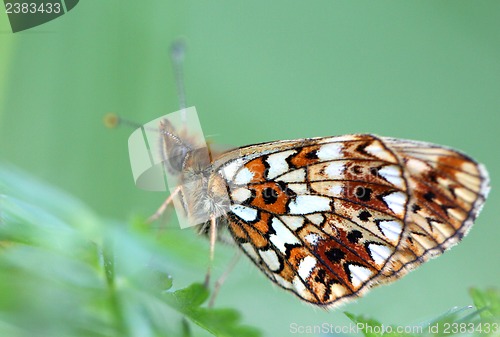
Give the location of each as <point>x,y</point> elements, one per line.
<point>329,218</point>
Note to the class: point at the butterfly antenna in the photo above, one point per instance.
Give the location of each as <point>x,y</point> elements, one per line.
<point>177,54</point>
<point>113,120</point>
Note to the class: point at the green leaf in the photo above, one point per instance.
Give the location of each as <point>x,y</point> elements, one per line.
<point>487,302</point>
<point>220,322</point>
<point>368,326</point>
<point>188,298</point>
<point>57,280</point>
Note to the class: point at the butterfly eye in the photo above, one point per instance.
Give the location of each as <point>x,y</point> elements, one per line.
<point>176,157</point>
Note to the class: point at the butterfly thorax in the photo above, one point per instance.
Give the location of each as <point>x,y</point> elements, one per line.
<point>204,195</point>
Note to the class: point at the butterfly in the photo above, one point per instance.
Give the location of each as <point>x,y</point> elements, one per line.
<point>329,218</point>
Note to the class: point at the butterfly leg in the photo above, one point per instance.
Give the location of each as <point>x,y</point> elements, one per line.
<point>163,206</point>
<point>213,237</point>
<point>220,281</point>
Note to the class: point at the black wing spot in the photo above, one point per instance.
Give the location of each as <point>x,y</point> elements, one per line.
<point>335,255</point>
<point>364,215</point>
<point>320,277</point>
<point>356,169</point>
<point>312,154</point>
<point>429,196</point>
<point>354,236</point>
<point>269,195</point>
<point>363,193</point>
<point>415,208</point>
<point>432,177</point>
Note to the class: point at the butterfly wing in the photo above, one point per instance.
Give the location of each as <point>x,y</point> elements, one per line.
<point>328,218</point>
<point>448,190</point>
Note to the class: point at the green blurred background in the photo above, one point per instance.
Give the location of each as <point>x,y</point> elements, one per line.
<point>259,71</point>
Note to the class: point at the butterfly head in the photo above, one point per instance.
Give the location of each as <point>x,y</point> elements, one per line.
<point>182,152</point>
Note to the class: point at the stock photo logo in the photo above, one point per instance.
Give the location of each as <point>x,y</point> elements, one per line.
<point>31,13</point>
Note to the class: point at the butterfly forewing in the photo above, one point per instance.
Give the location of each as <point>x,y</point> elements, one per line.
<point>328,218</point>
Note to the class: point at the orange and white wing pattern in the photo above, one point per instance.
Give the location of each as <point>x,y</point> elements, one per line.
<point>448,190</point>
<point>329,218</point>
